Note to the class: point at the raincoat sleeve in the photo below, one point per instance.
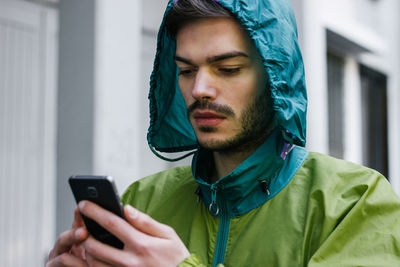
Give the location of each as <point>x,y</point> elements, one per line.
<point>369,232</point>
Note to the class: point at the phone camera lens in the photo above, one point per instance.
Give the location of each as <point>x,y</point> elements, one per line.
<point>92,192</point>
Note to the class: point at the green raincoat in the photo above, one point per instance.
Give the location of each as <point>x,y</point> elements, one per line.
<point>282,206</point>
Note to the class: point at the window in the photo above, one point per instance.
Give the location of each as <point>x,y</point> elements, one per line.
<point>335,105</point>
<point>374,119</point>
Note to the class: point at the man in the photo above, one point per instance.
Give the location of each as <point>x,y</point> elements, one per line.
<point>253,195</point>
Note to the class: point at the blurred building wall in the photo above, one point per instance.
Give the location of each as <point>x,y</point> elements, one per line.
<point>99,98</point>
<point>364,36</point>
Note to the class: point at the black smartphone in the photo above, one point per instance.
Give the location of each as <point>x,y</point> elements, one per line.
<point>102,191</point>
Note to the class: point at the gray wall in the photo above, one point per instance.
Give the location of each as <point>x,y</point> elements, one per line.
<point>99,95</point>
<point>76,96</point>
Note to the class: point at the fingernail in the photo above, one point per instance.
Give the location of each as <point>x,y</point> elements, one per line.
<point>78,232</point>
<point>132,212</point>
<point>81,205</point>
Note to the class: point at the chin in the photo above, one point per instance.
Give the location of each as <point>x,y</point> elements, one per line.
<point>216,144</point>
<point>205,129</point>
<point>209,142</point>
<point>240,142</point>
<point>213,138</point>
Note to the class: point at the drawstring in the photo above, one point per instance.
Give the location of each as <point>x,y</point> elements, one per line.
<point>288,144</point>
<point>170,159</point>
<point>213,205</point>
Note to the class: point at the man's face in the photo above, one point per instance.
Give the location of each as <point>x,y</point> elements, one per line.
<point>223,82</point>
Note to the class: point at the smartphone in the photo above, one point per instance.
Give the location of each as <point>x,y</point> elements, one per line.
<point>102,191</point>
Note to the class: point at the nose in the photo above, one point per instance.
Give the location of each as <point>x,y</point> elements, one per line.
<point>204,86</point>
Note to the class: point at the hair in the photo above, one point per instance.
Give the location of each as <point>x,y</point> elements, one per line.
<point>185,11</point>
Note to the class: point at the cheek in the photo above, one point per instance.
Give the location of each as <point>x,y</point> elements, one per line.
<point>185,92</point>
<point>241,92</point>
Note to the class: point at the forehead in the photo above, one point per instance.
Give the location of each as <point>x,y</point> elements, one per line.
<point>212,36</point>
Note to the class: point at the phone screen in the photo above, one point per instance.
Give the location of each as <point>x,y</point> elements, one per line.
<point>102,191</point>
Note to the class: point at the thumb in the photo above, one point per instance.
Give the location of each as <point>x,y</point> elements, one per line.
<point>78,221</point>
<point>67,239</point>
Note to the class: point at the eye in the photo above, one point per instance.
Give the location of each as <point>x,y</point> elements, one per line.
<point>229,71</point>
<point>185,72</point>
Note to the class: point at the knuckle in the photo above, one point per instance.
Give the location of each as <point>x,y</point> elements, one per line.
<point>66,236</point>
<point>146,223</point>
<point>90,247</point>
<point>110,222</point>
<point>145,218</point>
<point>142,247</point>
<point>131,239</point>
<point>63,259</point>
<point>169,230</point>
<point>131,263</point>
<point>63,235</point>
<point>62,240</point>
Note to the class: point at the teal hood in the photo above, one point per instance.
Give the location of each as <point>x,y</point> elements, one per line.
<point>271,25</point>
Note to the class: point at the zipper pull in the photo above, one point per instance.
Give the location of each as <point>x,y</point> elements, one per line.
<point>198,194</point>
<point>265,186</point>
<point>213,208</point>
<point>288,144</point>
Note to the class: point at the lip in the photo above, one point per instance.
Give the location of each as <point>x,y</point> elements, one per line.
<point>207,118</point>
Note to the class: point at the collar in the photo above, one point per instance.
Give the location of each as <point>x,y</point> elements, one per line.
<point>256,180</point>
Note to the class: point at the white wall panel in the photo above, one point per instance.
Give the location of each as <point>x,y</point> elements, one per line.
<point>117,73</point>
<point>24,153</point>
<point>352,111</point>
<point>314,52</point>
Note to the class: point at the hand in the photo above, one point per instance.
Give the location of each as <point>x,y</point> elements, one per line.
<point>147,242</point>
<point>68,250</point>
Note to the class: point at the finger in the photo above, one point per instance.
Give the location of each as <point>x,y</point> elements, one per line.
<point>67,239</point>
<point>92,261</point>
<point>113,223</point>
<point>67,260</point>
<point>78,221</point>
<point>99,252</point>
<point>78,251</point>
<point>146,224</point>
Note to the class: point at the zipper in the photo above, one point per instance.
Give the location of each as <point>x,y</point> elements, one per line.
<point>213,208</point>
<point>223,231</point>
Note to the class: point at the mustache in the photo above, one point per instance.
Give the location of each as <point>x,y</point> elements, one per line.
<point>222,109</point>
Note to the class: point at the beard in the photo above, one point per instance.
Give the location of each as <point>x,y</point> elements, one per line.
<point>256,124</point>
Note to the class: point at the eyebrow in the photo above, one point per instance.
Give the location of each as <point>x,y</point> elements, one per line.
<point>213,59</point>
